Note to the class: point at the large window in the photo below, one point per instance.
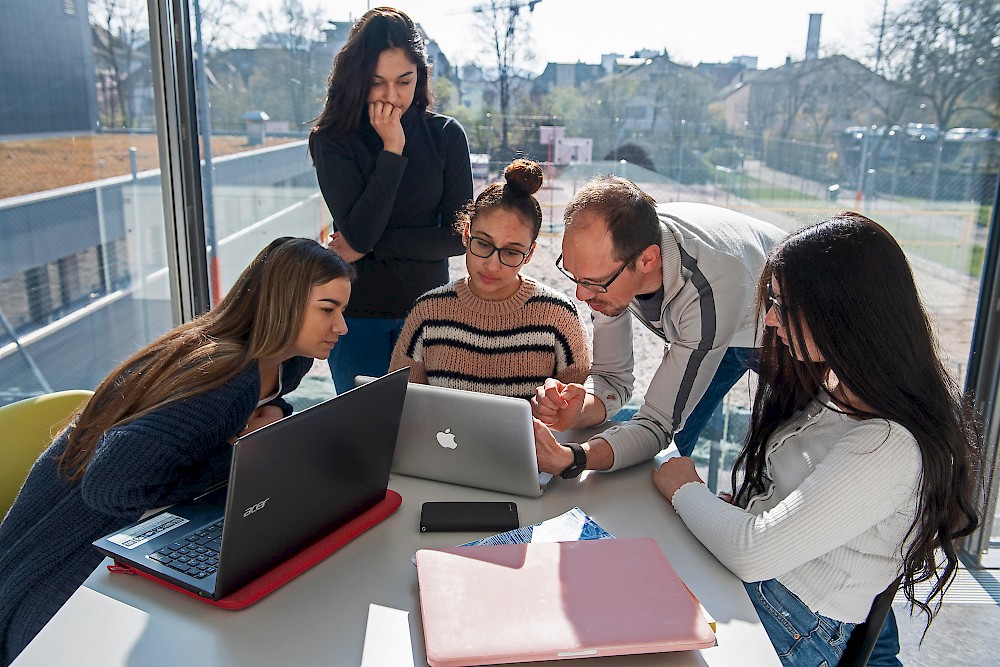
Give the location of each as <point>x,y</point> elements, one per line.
<point>904,130</point>
<point>82,269</point>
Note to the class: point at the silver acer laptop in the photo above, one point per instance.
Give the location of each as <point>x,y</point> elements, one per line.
<point>468,438</point>
<point>290,484</point>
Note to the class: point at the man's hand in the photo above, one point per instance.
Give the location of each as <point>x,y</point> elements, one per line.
<point>673,474</point>
<point>559,405</point>
<point>339,245</point>
<point>387,121</point>
<point>553,458</point>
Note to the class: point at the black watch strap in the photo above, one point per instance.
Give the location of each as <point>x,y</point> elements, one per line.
<point>579,463</point>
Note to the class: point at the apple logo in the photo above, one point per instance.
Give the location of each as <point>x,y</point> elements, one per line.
<point>447,439</point>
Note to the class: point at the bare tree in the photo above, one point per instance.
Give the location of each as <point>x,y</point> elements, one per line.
<point>291,33</point>
<point>948,53</point>
<point>218,20</point>
<point>507,38</point>
<point>121,30</point>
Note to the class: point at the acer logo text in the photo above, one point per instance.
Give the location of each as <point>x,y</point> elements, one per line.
<point>258,506</point>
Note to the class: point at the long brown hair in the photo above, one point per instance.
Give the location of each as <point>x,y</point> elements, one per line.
<point>350,80</point>
<point>846,281</point>
<point>259,317</point>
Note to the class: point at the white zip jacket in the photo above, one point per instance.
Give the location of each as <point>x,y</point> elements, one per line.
<point>712,261</point>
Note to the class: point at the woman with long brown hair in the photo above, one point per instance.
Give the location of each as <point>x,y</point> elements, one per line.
<point>394,176</point>
<point>157,430</point>
<point>861,461</point>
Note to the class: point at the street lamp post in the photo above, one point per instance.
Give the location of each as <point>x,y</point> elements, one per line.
<point>680,158</point>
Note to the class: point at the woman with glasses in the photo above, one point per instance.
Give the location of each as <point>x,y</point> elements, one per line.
<point>496,331</point>
<point>860,463</point>
<point>394,175</point>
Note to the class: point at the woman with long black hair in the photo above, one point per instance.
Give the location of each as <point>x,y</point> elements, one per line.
<point>394,176</point>
<point>861,460</point>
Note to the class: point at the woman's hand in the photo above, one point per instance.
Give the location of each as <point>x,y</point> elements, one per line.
<point>386,119</point>
<point>261,417</point>
<point>339,245</point>
<point>673,474</point>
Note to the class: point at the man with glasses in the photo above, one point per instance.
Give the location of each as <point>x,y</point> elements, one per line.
<point>689,273</point>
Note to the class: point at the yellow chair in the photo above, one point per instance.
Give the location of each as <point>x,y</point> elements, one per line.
<point>26,429</point>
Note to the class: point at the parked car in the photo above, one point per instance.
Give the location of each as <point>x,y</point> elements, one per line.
<point>922,131</point>
<point>961,134</point>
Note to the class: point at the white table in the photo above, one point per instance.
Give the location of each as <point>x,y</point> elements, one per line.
<point>360,605</point>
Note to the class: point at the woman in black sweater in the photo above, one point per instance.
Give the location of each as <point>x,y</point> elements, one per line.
<point>394,176</point>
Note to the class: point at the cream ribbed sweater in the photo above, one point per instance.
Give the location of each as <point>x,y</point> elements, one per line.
<point>831,524</point>
<point>452,338</point>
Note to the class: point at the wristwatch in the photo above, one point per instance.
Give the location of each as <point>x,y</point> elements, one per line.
<point>579,463</point>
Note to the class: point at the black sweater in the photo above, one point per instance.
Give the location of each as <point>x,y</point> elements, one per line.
<point>398,209</point>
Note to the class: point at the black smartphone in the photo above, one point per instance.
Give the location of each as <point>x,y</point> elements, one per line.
<point>468,516</point>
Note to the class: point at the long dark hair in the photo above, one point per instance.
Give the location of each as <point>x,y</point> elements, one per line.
<point>260,316</point>
<point>846,281</point>
<point>350,80</point>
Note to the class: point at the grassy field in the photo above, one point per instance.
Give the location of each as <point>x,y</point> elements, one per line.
<point>762,191</point>
<point>33,165</point>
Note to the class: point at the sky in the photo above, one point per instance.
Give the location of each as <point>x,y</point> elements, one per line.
<point>692,31</point>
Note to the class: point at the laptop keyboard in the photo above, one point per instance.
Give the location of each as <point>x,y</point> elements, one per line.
<point>196,554</point>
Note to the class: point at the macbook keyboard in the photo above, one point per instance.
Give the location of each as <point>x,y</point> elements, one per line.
<point>196,554</point>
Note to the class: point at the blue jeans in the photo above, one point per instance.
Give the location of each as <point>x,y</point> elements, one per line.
<point>800,636</point>
<point>365,349</point>
<point>887,645</point>
<point>735,363</point>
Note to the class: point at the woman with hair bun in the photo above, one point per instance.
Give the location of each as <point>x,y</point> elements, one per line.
<point>496,331</point>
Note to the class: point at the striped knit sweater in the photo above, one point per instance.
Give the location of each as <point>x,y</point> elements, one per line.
<point>452,338</point>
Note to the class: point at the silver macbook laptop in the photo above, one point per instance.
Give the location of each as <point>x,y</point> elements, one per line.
<point>290,484</point>
<point>469,438</point>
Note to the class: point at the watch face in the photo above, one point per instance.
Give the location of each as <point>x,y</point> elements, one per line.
<point>579,462</point>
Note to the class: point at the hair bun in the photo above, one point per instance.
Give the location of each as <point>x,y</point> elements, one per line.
<point>524,175</point>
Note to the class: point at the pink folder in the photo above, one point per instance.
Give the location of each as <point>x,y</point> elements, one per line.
<point>528,602</point>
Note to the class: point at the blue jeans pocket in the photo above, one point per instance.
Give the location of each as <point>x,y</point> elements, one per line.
<point>800,636</point>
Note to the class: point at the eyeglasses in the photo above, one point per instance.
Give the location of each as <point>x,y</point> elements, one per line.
<point>599,288</point>
<point>508,256</point>
<point>779,310</point>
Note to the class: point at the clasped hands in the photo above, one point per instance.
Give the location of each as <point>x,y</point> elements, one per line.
<point>560,406</point>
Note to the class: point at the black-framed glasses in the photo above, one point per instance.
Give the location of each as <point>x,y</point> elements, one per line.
<point>508,256</point>
<point>779,310</point>
<point>600,288</point>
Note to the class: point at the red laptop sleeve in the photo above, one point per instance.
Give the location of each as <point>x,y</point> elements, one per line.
<point>291,568</point>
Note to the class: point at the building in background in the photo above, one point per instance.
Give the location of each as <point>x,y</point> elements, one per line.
<point>46,68</point>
